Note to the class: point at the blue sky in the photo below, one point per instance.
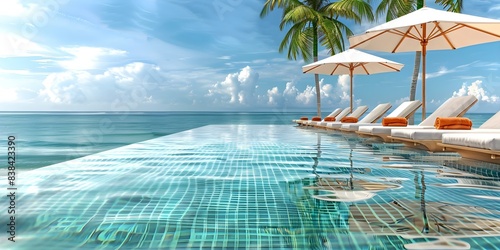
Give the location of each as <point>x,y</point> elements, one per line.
<point>166,55</point>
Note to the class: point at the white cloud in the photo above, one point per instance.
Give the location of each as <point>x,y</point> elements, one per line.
<point>237,88</point>
<point>259,61</point>
<point>12,8</point>
<point>12,45</point>
<point>441,72</point>
<point>308,96</point>
<point>132,84</point>
<point>476,89</point>
<point>83,58</point>
<point>274,96</point>
<point>495,7</point>
<point>15,71</point>
<point>471,77</point>
<point>16,95</point>
<point>401,100</point>
<point>242,89</point>
<point>344,84</point>
<point>445,71</point>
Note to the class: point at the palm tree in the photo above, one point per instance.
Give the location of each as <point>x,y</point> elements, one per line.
<point>396,8</point>
<point>315,22</point>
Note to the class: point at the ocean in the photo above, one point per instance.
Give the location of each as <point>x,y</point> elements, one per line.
<point>46,138</point>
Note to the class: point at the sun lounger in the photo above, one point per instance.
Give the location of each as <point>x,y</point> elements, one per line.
<point>338,113</point>
<point>371,117</point>
<point>453,107</point>
<point>358,112</point>
<point>479,146</point>
<point>429,138</point>
<point>323,123</point>
<point>333,114</point>
<point>405,109</point>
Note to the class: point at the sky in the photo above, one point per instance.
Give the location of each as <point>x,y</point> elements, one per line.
<point>217,55</point>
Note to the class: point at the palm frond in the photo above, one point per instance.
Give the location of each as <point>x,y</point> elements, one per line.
<point>270,5</point>
<point>299,14</point>
<point>298,40</point>
<point>332,35</point>
<point>395,8</point>
<point>451,5</point>
<point>357,10</point>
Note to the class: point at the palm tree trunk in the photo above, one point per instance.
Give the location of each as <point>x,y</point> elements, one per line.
<point>316,76</point>
<point>413,87</point>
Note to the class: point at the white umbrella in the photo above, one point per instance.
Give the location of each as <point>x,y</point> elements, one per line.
<point>428,29</point>
<point>352,62</point>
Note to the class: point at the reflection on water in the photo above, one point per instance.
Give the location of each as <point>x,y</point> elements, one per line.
<point>255,187</point>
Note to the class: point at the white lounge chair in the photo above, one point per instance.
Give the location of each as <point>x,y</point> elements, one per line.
<point>453,107</point>
<point>371,117</point>
<point>358,112</point>
<point>479,146</point>
<point>405,109</point>
<point>323,123</point>
<point>429,138</point>
<point>334,113</point>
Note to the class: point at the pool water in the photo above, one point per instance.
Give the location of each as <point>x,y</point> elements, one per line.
<point>258,187</point>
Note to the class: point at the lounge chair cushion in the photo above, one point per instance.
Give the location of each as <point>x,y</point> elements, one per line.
<point>492,125</point>
<point>453,107</point>
<point>335,112</point>
<point>355,126</point>
<point>433,134</point>
<point>329,119</point>
<point>453,123</point>
<point>349,119</point>
<point>316,119</point>
<point>381,130</point>
<point>303,118</point>
<point>493,122</point>
<point>489,141</point>
<point>405,109</point>
<point>359,111</point>
<point>395,121</point>
<point>343,114</point>
<point>376,113</point>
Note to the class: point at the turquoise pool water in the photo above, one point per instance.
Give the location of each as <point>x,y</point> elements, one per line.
<point>257,187</point>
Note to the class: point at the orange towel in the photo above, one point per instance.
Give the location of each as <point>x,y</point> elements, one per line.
<point>395,121</point>
<point>349,119</point>
<point>329,119</point>
<point>453,123</point>
<point>303,118</point>
<point>316,119</point>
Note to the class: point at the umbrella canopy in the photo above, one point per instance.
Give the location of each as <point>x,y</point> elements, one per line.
<point>428,29</point>
<point>352,62</point>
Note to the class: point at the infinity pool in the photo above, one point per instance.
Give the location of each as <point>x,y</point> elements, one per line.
<point>258,187</point>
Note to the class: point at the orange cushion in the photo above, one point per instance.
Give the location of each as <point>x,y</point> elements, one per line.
<point>316,119</point>
<point>303,118</point>
<point>395,121</point>
<point>349,119</point>
<point>453,123</point>
<point>329,119</point>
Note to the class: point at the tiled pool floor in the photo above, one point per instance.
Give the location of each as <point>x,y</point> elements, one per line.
<point>257,187</point>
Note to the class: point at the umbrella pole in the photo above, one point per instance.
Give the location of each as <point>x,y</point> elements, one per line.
<point>424,52</point>
<point>350,75</point>
<point>423,83</point>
